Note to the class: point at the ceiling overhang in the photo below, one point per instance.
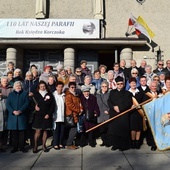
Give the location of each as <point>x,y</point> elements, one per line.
<point>108,43</point>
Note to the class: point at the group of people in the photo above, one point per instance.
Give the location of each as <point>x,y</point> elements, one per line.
<point>41,102</point>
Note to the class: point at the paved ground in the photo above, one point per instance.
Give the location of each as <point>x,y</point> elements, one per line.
<point>87,158</point>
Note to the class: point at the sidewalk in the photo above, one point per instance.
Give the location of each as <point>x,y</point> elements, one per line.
<point>87,158</point>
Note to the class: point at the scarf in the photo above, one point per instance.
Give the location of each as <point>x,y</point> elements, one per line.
<point>43,93</point>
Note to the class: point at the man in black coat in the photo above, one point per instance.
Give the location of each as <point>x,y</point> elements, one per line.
<point>143,88</point>
<point>124,69</point>
<point>141,69</point>
<point>119,132</point>
<point>160,68</point>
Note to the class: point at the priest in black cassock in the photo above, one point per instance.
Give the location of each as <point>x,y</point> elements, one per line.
<point>119,131</point>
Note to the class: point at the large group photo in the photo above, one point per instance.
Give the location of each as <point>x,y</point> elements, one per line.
<point>76,108</point>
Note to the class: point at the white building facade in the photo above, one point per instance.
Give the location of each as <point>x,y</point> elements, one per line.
<point>54,31</point>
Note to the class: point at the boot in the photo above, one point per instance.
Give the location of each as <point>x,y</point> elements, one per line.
<point>137,145</point>
<point>133,146</point>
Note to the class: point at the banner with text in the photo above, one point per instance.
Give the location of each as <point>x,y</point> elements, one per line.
<point>49,28</point>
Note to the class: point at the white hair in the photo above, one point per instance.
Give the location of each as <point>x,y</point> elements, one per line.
<point>28,73</point>
<point>17,70</point>
<point>87,76</point>
<point>18,83</point>
<point>111,71</point>
<point>148,66</point>
<point>4,77</point>
<point>134,70</point>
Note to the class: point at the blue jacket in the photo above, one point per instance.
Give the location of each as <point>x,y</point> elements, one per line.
<point>97,83</point>
<point>30,86</point>
<point>17,101</point>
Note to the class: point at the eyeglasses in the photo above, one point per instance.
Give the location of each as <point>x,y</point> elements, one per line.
<point>78,71</point>
<point>73,87</point>
<point>160,64</point>
<point>156,79</point>
<point>104,86</point>
<point>119,83</point>
<point>134,73</point>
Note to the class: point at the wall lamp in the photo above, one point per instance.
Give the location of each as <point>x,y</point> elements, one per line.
<point>140,1</point>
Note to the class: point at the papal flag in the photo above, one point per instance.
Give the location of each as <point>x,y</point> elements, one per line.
<point>158,115</point>
<point>140,26</point>
<point>132,20</point>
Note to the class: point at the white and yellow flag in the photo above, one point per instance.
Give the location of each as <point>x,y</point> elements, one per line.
<point>141,27</point>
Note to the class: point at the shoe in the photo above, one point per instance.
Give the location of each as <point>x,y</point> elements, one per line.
<point>153,148</point>
<point>14,150</point>
<point>93,146</point>
<point>56,147</point>
<point>62,147</point>
<point>102,144</point>
<point>24,150</point>
<point>45,150</point>
<point>72,147</point>
<point>121,150</point>
<point>75,146</point>
<point>113,149</point>
<point>35,151</point>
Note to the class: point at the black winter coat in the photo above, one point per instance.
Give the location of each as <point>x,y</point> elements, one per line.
<point>120,125</point>
<point>47,106</point>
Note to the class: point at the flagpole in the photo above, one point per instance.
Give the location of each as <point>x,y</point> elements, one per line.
<point>109,120</point>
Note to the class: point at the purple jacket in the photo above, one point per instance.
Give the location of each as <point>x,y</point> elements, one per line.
<point>92,106</point>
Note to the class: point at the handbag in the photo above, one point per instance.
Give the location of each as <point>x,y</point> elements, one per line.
<point>80,124</point>
<point>89,117</point>
<point>69,121</point>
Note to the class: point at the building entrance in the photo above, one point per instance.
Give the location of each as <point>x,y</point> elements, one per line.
<point>107,58</point>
